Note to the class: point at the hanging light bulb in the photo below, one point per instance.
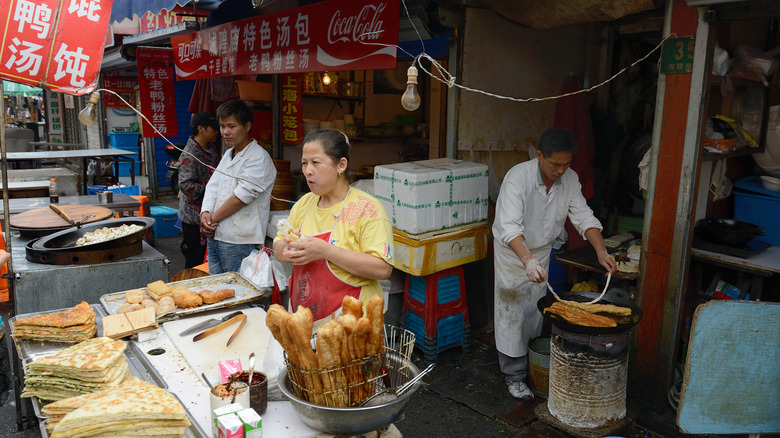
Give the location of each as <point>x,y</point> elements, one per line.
<point>88,115</point>
<point>411,99</point>
<point>326,79</point>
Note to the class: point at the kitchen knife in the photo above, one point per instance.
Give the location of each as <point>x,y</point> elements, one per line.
<point>220,326</point>
<point>208,323</point>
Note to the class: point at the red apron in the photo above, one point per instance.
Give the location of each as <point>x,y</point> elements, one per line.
<point>315,286</point>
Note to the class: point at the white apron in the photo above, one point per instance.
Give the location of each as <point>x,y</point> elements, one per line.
<point>517,320</point>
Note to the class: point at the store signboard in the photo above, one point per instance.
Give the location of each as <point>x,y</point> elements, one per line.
<point>52,44</point>
<point>124,86</point>
<point>330,35</point>
<point>166,18</point>
<point>677,55</point>
<point>292,111</point>
<point>54,111</point>
<point>156,91</point>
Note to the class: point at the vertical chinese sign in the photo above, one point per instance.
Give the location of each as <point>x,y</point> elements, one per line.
<point>156,91</point>
<point>51,43</point>
<point>330,35</point>
<point>54,112</point>
<point>292,125</point>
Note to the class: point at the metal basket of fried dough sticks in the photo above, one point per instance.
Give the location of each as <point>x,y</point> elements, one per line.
<point>350,382</point>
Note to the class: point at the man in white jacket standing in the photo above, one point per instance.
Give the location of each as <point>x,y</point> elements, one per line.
<point>535,199</point>
<point>237,200</point>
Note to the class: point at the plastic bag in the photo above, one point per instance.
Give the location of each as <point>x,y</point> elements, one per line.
<point>280,275</point>
<point>257,268</point>
<point>273,367</point>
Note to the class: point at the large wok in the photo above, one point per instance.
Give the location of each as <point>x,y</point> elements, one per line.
<point>60,248</point>
<point>615,296</point>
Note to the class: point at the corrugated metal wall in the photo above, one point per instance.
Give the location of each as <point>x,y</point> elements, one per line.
<point>183,90</point>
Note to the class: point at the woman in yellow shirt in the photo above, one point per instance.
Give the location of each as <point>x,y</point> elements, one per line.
<point>346,239</point>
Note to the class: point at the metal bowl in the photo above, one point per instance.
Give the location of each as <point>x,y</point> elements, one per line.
<point>351,421</point>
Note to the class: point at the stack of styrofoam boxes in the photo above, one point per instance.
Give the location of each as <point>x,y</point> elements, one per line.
<point>127,141</point>
<point>438,210</point>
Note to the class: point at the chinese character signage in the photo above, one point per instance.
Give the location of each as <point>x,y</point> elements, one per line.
<point>156,91</point>
<point>330,35</point>
<point>166,18</point>
<point>677,55</point>
<point>123,86</point>
<point>292,125</point>
<point>52,43</point>
<point>54,112</point>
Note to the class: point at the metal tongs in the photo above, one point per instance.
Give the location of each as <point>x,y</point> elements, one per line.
<point>399,391</point>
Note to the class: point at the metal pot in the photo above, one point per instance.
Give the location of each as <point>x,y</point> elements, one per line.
<point>353,420</point>
<point>615,296</point>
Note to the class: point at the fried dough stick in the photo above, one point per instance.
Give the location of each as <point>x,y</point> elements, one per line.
<point>330,338</point>
<point>308,360</point>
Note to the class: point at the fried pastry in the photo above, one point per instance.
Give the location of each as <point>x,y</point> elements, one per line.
<point>187,299</point>
<point>134,296</point>
<point>211,297</point>
<point>158,289</point>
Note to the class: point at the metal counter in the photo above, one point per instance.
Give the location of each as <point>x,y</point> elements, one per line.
<point>40,287</point>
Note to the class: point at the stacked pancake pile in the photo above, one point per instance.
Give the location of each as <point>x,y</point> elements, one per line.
<point>83,368</point>
<point>133,408</point>
<point>72,325</point>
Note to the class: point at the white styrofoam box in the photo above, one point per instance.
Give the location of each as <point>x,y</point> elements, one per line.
<point>422,196</point>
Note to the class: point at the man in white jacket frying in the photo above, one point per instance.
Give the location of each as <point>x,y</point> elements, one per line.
<point>237,199</point>
<point>535,199</point>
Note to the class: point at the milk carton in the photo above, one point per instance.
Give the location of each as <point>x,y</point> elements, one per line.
<point>230,426</point>
<point>253,423</point>
<point>221,412</point>
<point>423,196</point>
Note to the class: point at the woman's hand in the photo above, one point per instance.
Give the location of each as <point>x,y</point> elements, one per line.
<point>305,250</point>
<point>607,262</point>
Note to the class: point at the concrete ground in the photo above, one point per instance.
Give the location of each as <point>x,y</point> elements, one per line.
<point>463,396</point>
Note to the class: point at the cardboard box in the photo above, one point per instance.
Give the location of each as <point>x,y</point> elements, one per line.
<point>423,196</point>
<point>432,252</point>
<point>253,423</point>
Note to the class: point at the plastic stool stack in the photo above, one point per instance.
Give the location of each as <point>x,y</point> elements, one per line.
<point>145,211</point>
<point>435,309</point>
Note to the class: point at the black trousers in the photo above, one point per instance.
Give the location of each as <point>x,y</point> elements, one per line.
<point>190,246</point>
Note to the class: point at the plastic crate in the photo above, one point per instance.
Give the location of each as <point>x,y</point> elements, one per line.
<point>126,190</point>
<point>93,190</point>
<point>124,168</point>
<point>122,140</point>
<point>165,221</point>
<point>760,210</point>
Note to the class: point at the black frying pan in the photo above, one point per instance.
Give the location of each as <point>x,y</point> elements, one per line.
<point>615,296</point>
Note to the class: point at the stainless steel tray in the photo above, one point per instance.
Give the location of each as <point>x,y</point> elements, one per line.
<point>245,292</point>
<point>31,350</point>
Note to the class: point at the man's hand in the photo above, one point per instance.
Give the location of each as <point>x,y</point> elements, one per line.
<point>534,271</point>
<point>608,262</point>
<point>207,225</point>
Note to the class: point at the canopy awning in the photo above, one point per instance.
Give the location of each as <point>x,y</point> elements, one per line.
<point>20,89</point>
<point>122,9</point>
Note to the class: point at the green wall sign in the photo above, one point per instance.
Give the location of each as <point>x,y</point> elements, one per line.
<point>677,55</point>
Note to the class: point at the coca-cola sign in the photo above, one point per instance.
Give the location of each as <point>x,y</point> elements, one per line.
<point>330,35</point>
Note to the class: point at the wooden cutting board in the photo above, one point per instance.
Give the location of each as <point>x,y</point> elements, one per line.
<point>204,356</point>
<point>48,219</point>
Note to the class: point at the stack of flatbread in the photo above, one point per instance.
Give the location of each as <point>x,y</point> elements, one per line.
<point>72,325</point>
<point>134,408</point>
<point>83,368</point>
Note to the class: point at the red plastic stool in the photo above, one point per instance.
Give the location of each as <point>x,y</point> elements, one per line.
<point>435,309</point>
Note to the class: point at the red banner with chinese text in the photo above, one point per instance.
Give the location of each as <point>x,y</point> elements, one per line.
<point>166,18</point>
<point>52,43</point>
<point>156,91</point>
<point>330,35</point>
<point>292,116</point>
<point>123,86</point>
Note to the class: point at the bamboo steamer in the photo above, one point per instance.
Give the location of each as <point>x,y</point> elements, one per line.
<point>282,186</point>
